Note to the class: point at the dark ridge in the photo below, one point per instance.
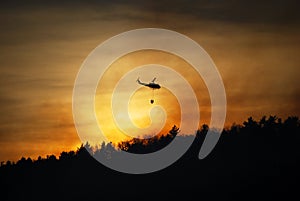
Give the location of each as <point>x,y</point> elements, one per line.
<point>258,160</point>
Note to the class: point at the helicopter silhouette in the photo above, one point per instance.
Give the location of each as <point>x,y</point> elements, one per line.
<point>151,85</point>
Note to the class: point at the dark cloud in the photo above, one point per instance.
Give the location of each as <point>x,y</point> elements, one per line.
<point>265,11</point>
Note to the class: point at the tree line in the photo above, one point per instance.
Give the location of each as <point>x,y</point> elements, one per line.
<point>258,159</point>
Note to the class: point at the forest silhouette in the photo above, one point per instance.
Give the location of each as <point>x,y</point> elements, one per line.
<point>258,160</point>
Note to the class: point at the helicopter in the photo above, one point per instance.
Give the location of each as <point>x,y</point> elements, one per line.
<point>151,85</point>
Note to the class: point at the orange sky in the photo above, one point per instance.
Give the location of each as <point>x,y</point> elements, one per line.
<point>42,47</point>
<point>139,106</point>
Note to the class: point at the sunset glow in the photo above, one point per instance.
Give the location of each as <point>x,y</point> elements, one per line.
<point>139,105</point>
<point>43,45</point>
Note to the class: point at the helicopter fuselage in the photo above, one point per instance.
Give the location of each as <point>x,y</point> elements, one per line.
<point>153,85</point>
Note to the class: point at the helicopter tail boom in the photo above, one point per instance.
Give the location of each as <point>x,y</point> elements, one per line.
<point>138,81</point>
